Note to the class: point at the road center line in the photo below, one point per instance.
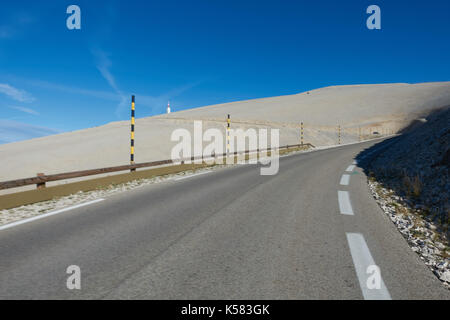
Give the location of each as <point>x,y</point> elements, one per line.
<point>345,180</point>
<point>362,260</point>
<point>350,168</point>
<point>45,215</point>
<point>344,203</point>
<point>192,175</point>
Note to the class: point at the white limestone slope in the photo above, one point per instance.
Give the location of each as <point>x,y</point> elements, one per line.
<point>383,108</point>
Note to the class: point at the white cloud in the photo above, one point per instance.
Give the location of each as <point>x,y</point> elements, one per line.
<point>12,131</point>
<point>103,65</point>
<point>16,24</point>
<point>26,110</point>
<point>157,103</point>
<point>69,89</point>
<point>16,94</point>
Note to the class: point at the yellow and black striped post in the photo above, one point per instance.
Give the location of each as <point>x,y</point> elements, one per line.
<point>228,134</point>
<point>359,134</point>
<point>132,132</point>
<point>339,134</point>
<point>301,134</point>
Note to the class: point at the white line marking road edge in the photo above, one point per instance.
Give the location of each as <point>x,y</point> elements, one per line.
<point>350,168</point>
<point>345,206</point>
<point>45,215</point>
<point>362,259</point>
<point>353,143</point>
<point>192,175</point>
<point>345,180</point>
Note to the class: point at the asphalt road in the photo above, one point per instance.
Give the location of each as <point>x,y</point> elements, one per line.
<point>228,234</point>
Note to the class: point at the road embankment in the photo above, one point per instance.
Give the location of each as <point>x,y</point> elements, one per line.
<point>410,181</point>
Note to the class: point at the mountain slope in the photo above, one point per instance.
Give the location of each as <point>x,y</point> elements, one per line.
<point>384,108</point>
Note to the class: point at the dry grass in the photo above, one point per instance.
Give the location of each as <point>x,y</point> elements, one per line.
<point>413,185</point>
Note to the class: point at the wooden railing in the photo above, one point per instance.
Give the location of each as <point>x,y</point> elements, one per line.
<point>41,179</point>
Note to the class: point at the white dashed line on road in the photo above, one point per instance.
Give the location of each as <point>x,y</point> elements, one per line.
<point>350,168</point>
<point>45,215</point>
<point>344,203</point>
<point>369,276</point>
<point>345,180</point>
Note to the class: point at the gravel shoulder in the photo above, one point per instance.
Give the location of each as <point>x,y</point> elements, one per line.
<point>410,182</point>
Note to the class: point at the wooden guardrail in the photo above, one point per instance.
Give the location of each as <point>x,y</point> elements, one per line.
<point>41,179</point>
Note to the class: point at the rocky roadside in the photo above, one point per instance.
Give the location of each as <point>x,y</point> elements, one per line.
<point>410,180</point>
<point>424,237</point>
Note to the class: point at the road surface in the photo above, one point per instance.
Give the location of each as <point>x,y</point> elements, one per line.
<point>309,232</point>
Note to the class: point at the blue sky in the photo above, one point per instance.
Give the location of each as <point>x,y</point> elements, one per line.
<point>197,53</point>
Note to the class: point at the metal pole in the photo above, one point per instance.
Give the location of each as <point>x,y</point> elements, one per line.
<point>301,134</point>
<point>339,134</point>
<point>132,132</point>
<point>228,134</point>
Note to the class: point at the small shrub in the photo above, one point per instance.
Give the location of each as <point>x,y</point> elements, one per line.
<point>413,186</point>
